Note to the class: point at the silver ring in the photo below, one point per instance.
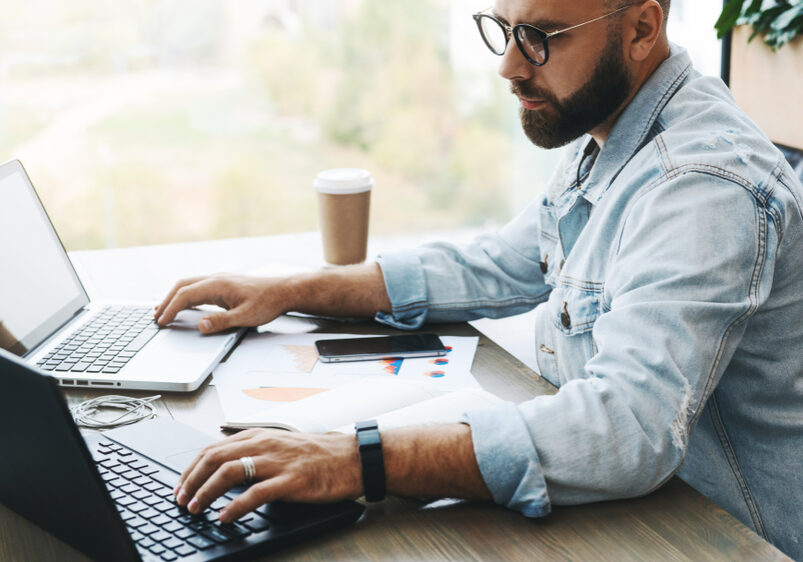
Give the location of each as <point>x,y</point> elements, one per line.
<point>250,469</point>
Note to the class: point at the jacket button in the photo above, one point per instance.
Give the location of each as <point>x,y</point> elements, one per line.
<point>565,319</point>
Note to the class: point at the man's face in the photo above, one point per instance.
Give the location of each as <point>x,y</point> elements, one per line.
<point>585,79</point>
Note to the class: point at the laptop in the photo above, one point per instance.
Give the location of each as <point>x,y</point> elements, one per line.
<point>109,494</point>
<point>47,318</point>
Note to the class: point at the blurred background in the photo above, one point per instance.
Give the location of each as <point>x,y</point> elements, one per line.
<point>152,121</point>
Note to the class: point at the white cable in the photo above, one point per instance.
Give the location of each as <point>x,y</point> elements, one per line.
<point>136,409</point>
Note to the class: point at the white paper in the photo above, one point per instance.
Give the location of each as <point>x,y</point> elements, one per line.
<point>275,361</point>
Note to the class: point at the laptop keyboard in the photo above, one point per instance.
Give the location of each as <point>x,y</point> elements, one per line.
<point>106,343</point>
<point>143,492</point>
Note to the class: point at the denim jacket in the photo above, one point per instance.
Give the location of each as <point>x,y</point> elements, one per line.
<point>669,292</point>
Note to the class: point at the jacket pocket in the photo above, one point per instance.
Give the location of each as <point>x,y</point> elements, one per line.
<point>572,315</point>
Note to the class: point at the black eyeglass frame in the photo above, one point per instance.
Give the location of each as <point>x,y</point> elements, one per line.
<point>544,35</point>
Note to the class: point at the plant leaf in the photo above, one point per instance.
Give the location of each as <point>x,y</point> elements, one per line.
<point>727,19</point>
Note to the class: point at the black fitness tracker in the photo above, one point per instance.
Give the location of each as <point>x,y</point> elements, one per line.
<point>373,465</point>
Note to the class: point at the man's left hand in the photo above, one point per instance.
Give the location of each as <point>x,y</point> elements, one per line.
<point>289,466</point>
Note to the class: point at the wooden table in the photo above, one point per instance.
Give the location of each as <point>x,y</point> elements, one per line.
<point>673,523</point>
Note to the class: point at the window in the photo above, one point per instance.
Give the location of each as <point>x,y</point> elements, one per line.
<point>149,121</point>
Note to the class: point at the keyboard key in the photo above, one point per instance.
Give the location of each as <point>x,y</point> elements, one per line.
<point>136,522</point>
<point>201,543</point>
<point>184,533</point>
<point>168,476</point>
<point>149,529</point>
<point>173,543</point>
<point>220,503</point>
<point>169,556</point>
<point>146,542</point>
<point>163,520</point>
<point>153,487</point>
<point>257,524</point>
<point>171,526</point>
<point>136,536</point>
<point>161,536</point>
<point>215,534</point>
<point>125,500</point>
<point>198,525</point>
<point>144,337</point>
<point>157,549</point>
<point>137,507</point>
<point>185,550</point>
<point>234,530</point>
<point>126,515</point>
<point>142,481</point>
<point>149,513</point>
<point>164,506</point>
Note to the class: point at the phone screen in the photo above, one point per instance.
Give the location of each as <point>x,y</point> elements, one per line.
<point>363,349</point>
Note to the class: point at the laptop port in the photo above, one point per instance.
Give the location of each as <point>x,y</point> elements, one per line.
<point>81,383</point>
<point>102,383</point>
<point>67,381</point>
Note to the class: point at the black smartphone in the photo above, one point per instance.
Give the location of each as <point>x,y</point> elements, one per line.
<point>381,347</point>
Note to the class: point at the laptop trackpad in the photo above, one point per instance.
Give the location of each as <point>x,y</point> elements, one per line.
<point>166,441</point>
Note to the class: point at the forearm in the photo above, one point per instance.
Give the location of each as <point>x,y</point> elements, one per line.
<point>357,290</point>
<point>436,461</point>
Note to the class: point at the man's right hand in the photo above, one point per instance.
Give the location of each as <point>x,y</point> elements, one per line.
<point>248,301</point>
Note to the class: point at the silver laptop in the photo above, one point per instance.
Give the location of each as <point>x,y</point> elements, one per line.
<point>47,318</point>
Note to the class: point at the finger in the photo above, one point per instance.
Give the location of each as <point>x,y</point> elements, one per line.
<point>257,495</point>
<point>219,321</point>
<point>182,283</point>
<point>205,291</point>
<point>228,475</point>
<point>216,449</point>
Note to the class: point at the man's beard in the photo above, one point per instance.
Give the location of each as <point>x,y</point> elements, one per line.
<point>595,101</point>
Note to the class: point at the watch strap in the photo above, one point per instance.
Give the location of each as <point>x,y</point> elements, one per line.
<point>373,464</point>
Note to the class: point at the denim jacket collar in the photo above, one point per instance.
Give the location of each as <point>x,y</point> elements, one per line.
<point>634,125</point>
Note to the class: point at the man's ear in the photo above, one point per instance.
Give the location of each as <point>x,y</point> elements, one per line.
<point>646,28</point>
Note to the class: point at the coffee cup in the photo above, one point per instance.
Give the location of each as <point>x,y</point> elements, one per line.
<point>344,201</point>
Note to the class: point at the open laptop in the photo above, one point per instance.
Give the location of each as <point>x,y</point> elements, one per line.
<point>47,317</point>
<point>110,495</point>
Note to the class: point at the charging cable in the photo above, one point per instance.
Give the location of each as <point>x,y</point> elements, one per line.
<point>87,413</point>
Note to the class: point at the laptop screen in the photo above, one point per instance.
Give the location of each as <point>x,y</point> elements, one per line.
<point>39,289</point>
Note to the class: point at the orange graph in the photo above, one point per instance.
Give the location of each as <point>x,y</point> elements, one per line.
<point>276,394</point>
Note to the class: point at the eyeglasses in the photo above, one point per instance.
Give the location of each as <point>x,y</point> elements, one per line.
<point>532,42</point>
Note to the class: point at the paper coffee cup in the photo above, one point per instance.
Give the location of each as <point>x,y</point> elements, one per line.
<point>344,202</point>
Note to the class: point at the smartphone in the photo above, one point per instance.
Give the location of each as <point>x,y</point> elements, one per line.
<point>367,349</point>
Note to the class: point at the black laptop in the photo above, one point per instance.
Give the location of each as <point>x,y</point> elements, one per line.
<point>110,494</point>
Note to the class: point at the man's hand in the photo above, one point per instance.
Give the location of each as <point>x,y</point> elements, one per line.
<point>431,461</point>
<point>249,301</point>
<point>289,466</point>
<point>356,290</point>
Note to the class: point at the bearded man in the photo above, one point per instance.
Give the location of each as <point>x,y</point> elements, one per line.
<point>665,263</point>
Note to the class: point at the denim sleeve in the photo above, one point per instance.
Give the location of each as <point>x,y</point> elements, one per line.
<point>693,261</point>
<point>497,275</point>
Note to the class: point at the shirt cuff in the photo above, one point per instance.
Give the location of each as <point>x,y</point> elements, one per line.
<point>406,288</point>
<point>508,460</point>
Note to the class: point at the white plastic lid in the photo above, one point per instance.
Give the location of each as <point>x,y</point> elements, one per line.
<point>344,181</point>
